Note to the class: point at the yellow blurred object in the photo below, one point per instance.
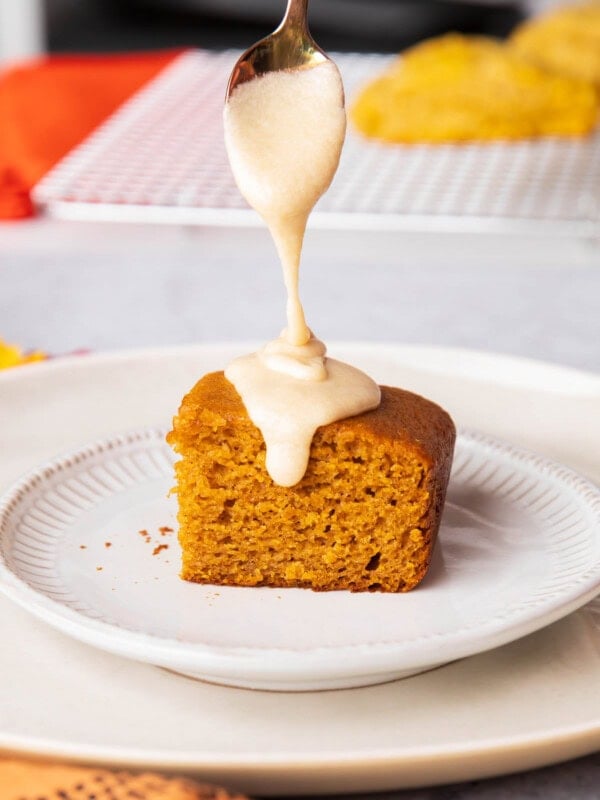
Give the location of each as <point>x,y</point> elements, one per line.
<point>457,88</point>
<point>566,41</point>
<point>13,356</point>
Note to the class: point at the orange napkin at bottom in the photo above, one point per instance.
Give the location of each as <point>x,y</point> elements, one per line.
<point>49,105</point>
<point>22,780</point>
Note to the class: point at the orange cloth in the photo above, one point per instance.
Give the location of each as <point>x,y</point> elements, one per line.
<point>49,105</point>
<point>24,780</point>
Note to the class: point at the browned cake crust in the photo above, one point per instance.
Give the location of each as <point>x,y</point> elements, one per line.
<point>364,517</point>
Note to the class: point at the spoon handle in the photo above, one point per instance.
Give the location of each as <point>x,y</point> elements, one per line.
<point>296,14</point>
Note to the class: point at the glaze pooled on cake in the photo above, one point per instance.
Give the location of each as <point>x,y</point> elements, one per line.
<point>284,133</point>
<point>288,409</point>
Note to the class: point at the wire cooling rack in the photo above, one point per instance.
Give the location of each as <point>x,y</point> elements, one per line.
<point>161,158</point>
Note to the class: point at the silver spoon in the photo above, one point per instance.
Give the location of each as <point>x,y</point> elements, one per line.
<point>290,46</point>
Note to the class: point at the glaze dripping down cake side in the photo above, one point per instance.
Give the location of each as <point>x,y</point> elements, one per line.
<point>364,517</point>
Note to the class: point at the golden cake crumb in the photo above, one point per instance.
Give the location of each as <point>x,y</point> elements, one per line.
<point>364,517</point>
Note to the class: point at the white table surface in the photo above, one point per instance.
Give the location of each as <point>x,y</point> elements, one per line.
<point>66,286</point>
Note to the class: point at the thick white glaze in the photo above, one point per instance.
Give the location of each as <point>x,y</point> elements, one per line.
<point>284,133</point>
<point>288,410</point>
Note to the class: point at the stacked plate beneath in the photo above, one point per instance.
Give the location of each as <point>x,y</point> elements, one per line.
<point>516,706</point>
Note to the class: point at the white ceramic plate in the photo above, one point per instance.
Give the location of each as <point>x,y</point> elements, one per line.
<point>528,703</point>
<point>87,543</point>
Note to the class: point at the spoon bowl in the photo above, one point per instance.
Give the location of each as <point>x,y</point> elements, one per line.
<point>289,47</point>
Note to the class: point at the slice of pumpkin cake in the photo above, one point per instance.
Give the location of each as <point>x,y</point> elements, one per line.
<point>365,515</point>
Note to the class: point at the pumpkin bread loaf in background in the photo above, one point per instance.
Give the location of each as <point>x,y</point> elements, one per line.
<point>565,40</point>
<point>458,88</point>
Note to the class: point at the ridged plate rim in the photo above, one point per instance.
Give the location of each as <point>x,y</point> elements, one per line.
<point>364,658</point>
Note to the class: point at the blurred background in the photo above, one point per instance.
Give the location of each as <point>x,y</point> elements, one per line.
<point>30,26</point>
<point>465,281</point>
